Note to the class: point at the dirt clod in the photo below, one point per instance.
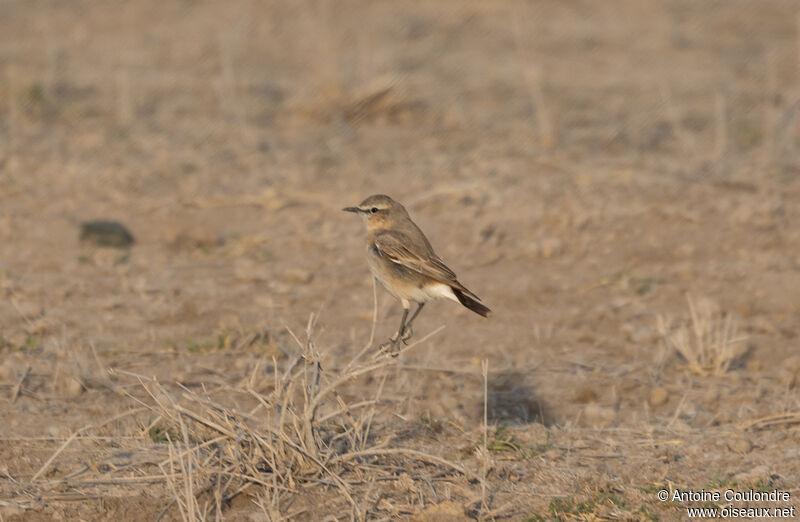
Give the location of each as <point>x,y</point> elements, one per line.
<point>658,396</point>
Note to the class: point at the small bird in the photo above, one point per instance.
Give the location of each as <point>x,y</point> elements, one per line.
<point>401,258</point>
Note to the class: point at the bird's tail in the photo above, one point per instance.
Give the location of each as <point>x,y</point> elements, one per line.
<point>471,303</point>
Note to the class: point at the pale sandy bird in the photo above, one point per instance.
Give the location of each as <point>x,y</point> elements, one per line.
<point>401,258</point>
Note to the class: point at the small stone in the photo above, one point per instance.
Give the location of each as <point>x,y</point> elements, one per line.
<point>70,387</point>
<point>106,234</point>
<point>658,396</point>
<point>585,395</point>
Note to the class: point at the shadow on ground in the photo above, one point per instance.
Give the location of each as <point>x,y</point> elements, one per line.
<point>512,400</point>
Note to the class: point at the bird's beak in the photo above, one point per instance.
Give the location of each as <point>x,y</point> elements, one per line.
<point>352,209</point>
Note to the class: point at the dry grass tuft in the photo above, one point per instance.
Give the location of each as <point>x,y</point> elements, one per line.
<point>299,432</point>
<point>708,341</point>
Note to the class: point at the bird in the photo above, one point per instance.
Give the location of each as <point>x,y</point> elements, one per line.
<point>402,259</point>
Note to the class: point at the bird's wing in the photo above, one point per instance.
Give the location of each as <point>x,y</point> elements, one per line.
<point>395,246</point>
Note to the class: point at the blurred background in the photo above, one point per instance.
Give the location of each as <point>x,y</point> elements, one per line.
<point>557,154</point>
<point>583,166</point>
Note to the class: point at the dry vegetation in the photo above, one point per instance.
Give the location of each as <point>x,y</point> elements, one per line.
<point>289,441</point>
<point>618,181</point>
<point>709,343</point>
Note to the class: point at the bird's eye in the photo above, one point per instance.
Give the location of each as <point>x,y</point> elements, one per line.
<point>373,210</point>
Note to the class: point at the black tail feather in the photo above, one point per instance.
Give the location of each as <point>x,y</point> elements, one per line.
<point>471,303</point>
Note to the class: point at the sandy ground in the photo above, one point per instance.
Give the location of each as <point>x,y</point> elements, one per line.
<point>588,168</point>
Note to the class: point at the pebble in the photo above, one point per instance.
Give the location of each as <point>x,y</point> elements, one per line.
<point>106,234</point>
<point>658,396</point>
<point>70,387</point>
<point>585,395</point>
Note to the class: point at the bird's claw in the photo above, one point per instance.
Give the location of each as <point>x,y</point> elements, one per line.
<point>407,334</point>
<point>390,347</point>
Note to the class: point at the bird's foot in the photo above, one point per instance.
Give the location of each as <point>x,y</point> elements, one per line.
<point>408,333</point>
<point>391,347</point>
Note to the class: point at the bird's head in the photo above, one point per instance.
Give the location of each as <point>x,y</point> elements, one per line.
<point>378,211</point>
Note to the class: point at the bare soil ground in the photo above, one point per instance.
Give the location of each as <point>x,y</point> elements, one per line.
<point>593,170</point>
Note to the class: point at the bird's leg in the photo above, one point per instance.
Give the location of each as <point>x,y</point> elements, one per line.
<point>393,340</point>
<point>408,331</point>
<point>401,331</point>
